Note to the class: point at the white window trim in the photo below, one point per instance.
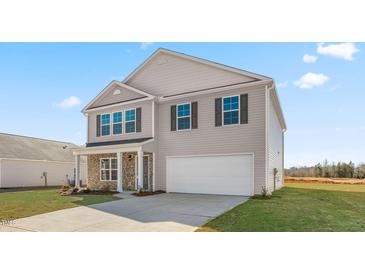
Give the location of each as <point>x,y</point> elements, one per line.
<point>239,111</point>
<point>110,170</point>
<point>177,117</point>
<point>135,121</point>
<point>112,122</point>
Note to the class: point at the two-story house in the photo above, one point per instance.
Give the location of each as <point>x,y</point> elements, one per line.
<point>183,124</point>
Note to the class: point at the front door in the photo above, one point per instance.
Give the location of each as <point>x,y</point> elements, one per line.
<point>146,172</point>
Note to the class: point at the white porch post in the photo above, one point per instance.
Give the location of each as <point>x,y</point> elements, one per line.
<point>120,172</point>
<point>77,171</point>
<point>140,169</point>
<point>154,171</point>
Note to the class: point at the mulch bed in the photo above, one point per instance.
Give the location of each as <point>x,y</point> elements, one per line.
<point>147,193</point>
<point>68,192</point>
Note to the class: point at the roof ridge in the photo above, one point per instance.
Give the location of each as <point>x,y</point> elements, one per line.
<point>197,59</point>
<point>37,138</point>
<point>214,62</point>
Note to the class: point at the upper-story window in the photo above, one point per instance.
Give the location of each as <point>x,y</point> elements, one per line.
<point>183,116</point>
<point>130,121</point>
<point>231,110</point>
<point>117,123</point>
<point>105,124</point>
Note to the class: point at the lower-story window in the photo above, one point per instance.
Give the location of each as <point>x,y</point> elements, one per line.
<point>108,169</point>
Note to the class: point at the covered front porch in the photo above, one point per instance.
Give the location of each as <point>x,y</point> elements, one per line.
<point>128,167</point>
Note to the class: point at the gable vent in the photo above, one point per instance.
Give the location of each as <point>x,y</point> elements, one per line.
<point>116,92</point>
<point>162,61</point>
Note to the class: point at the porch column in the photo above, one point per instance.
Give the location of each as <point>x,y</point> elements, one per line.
<point>120,172</point>
<point>140,169</point>
<point>77,171</point>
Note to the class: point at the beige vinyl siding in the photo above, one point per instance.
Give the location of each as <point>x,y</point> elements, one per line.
<point>110,98</point>
<point>275,148</point>
<point>209,140</point>
<point>153,145</point>
<point>167,74</point>
<point>146,122</point>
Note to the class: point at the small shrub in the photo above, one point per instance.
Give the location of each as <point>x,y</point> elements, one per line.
<point>87,190</point>
<point>65,187</point>
<point>265,192</point>
<point>106,188</point>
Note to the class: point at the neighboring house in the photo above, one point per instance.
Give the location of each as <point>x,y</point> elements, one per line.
<point>28,162</point>
<point>183,124</point>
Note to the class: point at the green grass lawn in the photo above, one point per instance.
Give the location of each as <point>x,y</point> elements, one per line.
<point>298,207</point>
<point>19,204</point>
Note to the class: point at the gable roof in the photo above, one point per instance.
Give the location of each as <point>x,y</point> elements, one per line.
<point>113,83</point>
<point>278,109</point>
<point>30,148</point>
<point>167,73</point>
<point>196,59</point>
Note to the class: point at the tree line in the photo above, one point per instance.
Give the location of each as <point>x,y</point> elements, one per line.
<point>327,170</point>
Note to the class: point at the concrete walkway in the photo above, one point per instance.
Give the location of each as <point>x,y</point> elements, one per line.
<point>164,212</point>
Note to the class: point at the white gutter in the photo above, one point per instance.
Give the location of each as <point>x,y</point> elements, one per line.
<point>110,148</point>
<point>213,90</point>
<point>35,160</point>
<point>118,104</point>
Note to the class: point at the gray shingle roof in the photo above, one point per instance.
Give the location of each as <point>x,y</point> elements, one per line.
<point>22,147</point>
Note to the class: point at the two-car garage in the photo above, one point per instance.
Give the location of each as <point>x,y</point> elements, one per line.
<point>211,174</point>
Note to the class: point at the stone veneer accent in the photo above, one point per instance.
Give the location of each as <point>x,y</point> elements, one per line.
<point>129,172</point>
<point>150,172</point>
<point>93,172</point>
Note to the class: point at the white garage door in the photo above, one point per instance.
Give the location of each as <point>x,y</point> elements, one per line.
<point>212,174</point>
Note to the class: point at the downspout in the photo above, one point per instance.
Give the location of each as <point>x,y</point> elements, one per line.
<point>153,118</point>
<point>283,159</point>
<point>267,117</point>
<point>0,170</point>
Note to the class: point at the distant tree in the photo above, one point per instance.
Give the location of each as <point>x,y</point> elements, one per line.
<point>339,170</point>
<point>359,172</point>
<point>318,170</point>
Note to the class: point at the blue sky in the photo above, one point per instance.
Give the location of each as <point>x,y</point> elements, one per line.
<point>322,96</point>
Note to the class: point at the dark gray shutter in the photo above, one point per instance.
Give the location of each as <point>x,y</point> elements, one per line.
<point>173,118</point>
<point>218,112</point>
<point>244,108</point>
<point>98,123</point>
<point>138,119</point>
<point>194,115</point>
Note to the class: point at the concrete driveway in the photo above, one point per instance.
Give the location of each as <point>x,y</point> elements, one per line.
<point>164,212</point>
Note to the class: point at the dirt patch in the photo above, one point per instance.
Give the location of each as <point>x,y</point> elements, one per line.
<point>345,181</point>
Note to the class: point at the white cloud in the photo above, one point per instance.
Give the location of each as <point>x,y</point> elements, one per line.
<point>310,80</point>
<point>283,84</point>
<point>69,102</point>
<point>145,45</point>
<point>309,58</point>
<point>341,50</point>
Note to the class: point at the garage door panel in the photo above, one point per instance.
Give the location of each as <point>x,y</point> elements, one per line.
<point>223,174</point>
